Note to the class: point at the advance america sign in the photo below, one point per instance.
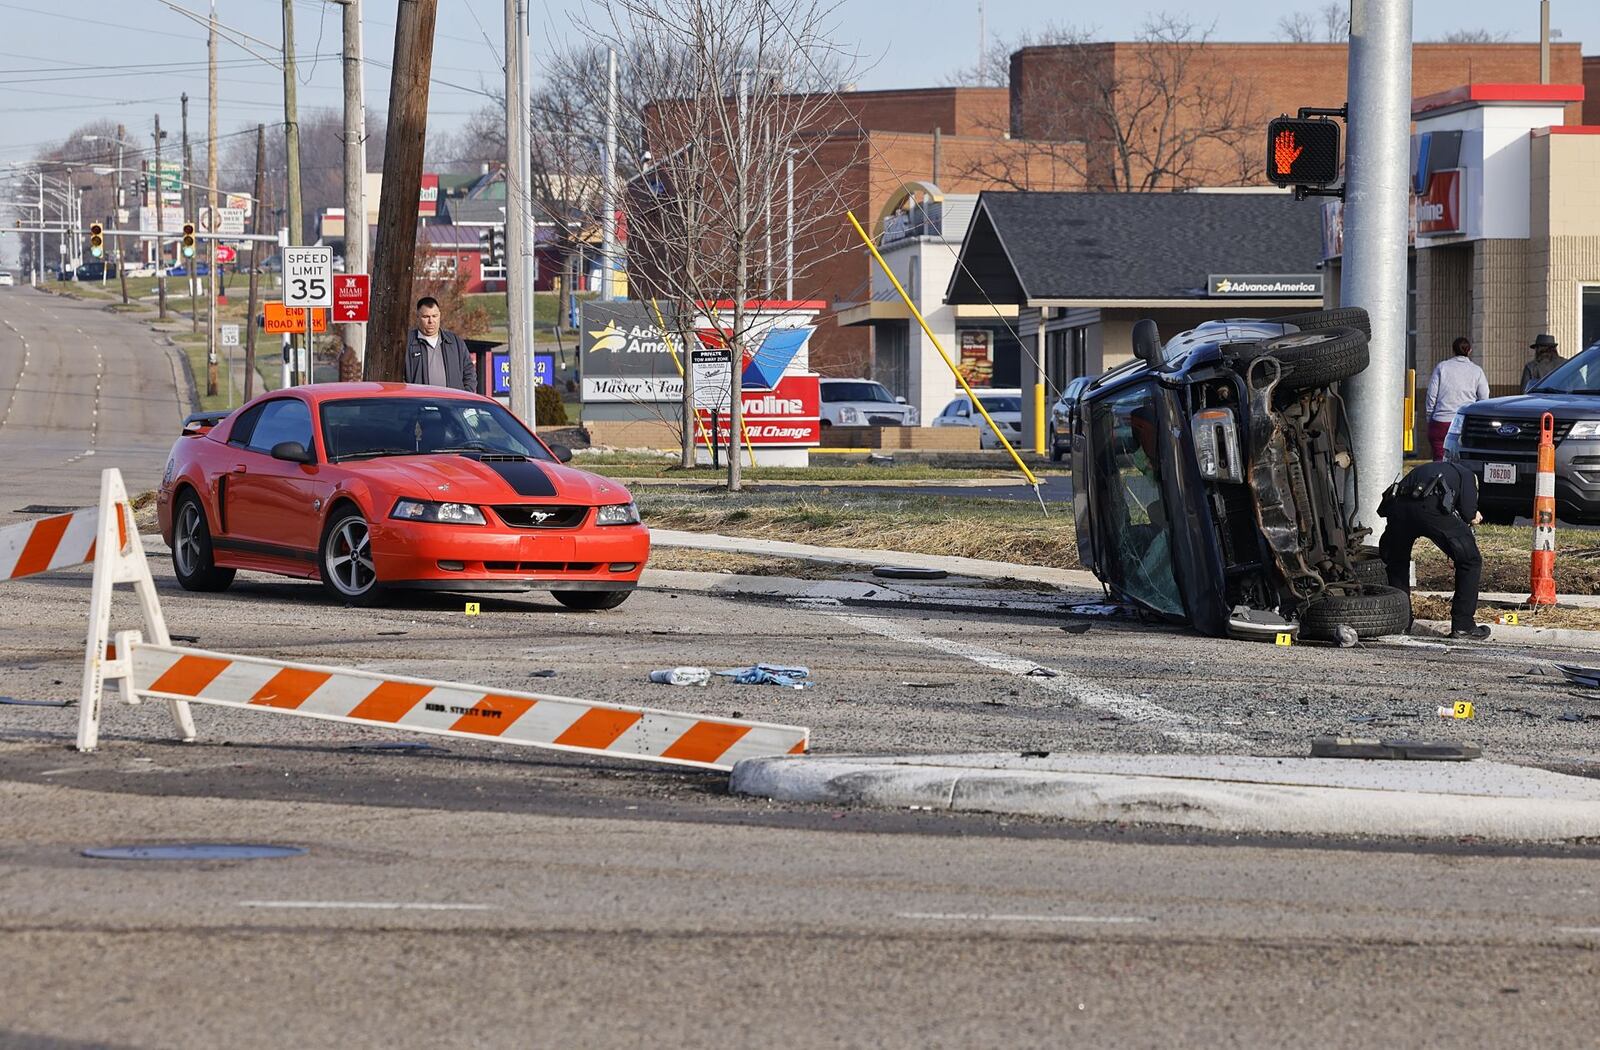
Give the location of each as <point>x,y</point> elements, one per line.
<point>1264,286</point>
<point>623,355</point>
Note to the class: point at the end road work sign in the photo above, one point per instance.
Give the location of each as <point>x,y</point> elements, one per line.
<point>308,278</point>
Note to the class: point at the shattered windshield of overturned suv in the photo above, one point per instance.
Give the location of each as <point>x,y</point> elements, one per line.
<point>1211,477</point>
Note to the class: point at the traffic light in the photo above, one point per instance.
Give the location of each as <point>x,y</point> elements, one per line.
<point>1302,151</point>
<point>97,239</point>
<point>188,240</point>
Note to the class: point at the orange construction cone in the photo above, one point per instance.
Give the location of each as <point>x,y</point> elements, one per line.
<point>1544,517</point>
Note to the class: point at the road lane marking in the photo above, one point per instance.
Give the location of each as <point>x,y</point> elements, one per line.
<point>959,916</point>
<point>1069,687</point>
<point>367,905</point>
<point>1578,929</point>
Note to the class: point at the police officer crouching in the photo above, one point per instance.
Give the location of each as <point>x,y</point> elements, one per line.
<point>1438,501</point>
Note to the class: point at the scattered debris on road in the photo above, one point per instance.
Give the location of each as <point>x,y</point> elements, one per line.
<point>1588,677</point>
<point>682,676</point>
<point>770,674</point>
<point>900,572</point>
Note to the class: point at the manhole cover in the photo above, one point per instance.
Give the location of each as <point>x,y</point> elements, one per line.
<point>194,851</point>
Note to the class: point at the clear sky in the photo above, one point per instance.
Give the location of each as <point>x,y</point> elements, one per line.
<point>66,62</point>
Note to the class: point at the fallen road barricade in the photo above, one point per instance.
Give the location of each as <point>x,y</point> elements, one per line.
<point>560,723</point>
<point>156,669</point>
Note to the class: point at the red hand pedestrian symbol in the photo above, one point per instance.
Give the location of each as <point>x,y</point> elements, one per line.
<point>1285,152</point>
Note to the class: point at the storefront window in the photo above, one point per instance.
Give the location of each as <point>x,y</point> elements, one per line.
<point>1126,449</point>
<point>1589,309</point>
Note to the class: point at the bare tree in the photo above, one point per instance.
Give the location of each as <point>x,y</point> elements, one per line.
<point>1158,114</point>
<point>1474,36</point>
<point>736,91</point>
<point>1328,24</point>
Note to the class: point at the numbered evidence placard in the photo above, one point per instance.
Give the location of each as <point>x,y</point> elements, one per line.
<point>308,278</point>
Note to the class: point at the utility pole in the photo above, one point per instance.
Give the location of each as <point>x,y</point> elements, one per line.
<point>291,133</point>
<point>257,206</point>
<point>186,190</point>
<point>395,251</point>
<point>119,204</point>
<point>355,164</point>
<point>519,289</point>
<point>211,199</point>
<point>1377,168</point>
<point>608,184</point>
<point>161,244</point>
<point>788,241</point>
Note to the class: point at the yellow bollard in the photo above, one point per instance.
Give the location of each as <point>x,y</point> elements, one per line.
<point>1038,419</point>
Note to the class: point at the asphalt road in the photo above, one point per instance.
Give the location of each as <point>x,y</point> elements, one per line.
<point>484,895</point>
<point>82,389</point>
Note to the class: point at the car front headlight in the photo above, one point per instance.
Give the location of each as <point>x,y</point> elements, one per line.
<point>618,514</point>
<point>1585,428</point>
<point>913,417</point>
<point>441,513</point>
<point>1456,423</point>
<point>849,415</point>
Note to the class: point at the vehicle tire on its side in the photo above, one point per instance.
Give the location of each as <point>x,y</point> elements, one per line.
<point>344,559</point>
<point>1315,357</point>
<point>1369,567</point>
<point>591,601</point>
<point>192,554</point>
<point>1375,612</point>
<point>1343,317</point>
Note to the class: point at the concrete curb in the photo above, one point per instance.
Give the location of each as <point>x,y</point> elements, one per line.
<point>1069,579</point>
<point>1503,635</point>
<point>1559,811</point>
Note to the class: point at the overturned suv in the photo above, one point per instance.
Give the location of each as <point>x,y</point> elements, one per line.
<point>1210,480</point>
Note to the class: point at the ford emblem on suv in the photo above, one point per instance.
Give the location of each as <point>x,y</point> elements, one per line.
<point>1508,430</point>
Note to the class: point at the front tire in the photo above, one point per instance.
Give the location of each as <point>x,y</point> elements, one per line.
<point>1375,612</point>
<point>193,559</point>
<point>591,601</point>
<point>345,562</point>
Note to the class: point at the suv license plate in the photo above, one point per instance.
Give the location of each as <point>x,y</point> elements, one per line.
<point>1500,473</point>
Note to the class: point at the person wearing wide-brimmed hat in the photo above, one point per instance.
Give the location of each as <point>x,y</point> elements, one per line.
<point>1545,360</point>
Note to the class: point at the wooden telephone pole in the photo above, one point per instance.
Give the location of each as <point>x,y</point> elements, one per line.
<point>256,252</point>
<point>394,253</point>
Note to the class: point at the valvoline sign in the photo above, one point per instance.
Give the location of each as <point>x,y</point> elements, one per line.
<point>787,416</point>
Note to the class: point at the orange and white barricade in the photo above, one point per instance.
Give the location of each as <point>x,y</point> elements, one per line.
<point>146,665</point>
<point>107,536</point>
<point>560,723</point>
<point>1543,569</point>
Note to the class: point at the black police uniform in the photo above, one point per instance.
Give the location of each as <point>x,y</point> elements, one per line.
<point>1436,501</point>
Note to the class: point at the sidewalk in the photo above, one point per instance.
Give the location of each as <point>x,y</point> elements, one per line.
<point>1242,794</point>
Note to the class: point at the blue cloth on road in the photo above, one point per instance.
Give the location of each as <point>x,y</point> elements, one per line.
<point>770,674</point>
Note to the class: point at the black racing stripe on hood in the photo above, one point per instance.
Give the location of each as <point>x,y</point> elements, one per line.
<point>525,477</point>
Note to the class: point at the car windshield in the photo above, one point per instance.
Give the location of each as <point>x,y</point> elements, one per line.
<point>856,392</point>
<point>413,426</point>
<point>1002,404</point>
<point>1581,375</point>
<point>1126,461</point>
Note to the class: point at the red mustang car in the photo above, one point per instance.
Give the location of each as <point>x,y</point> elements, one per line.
<point>367,486</point>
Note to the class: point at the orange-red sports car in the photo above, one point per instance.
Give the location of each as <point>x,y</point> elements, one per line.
<point>369,486</point>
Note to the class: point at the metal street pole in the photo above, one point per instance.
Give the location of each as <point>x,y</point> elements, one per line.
<point>355,163</point>
<point>788,244</point>
<point>121,176</point>
<point>211,203</point>
<point>291,131</point>
<point>161,247</point>
<point>608,183</point>
<point>1544,41</point>
<point>186,189</point>
<point>1377,169</point>
<point>517,160</point>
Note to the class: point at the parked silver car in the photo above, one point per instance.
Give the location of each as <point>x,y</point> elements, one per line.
<point>1003,406</point>
<point>1062,416</point>
<point>864,403</point>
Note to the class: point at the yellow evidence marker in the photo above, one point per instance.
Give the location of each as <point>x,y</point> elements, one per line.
<point>1459,709</point>
<point>1510,619</point>
<point>1285,638</point>
<point>472,608</point>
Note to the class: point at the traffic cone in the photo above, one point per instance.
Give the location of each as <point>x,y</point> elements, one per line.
<point>1544,517</point>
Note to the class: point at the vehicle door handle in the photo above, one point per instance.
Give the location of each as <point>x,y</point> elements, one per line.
<point>240,469</point>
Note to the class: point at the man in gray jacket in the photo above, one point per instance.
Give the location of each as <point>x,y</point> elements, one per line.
<point>435,357</point>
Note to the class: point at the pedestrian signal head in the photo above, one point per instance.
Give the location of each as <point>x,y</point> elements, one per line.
<point>188,239</point>
<point>1302,152</point>
<point>97,239</point>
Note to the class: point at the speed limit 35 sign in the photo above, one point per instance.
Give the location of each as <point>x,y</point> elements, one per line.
<point>308,278</point>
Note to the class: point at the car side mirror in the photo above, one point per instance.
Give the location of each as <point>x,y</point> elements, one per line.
<point>899,400</point>
<point>563,453</point>
<point>1147,342</point>
<point>293,452</point>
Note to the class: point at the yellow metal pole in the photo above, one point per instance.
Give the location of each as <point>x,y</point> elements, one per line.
<point>873,248</point>
<point>1411,410</point>
<point>1038,419</point>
